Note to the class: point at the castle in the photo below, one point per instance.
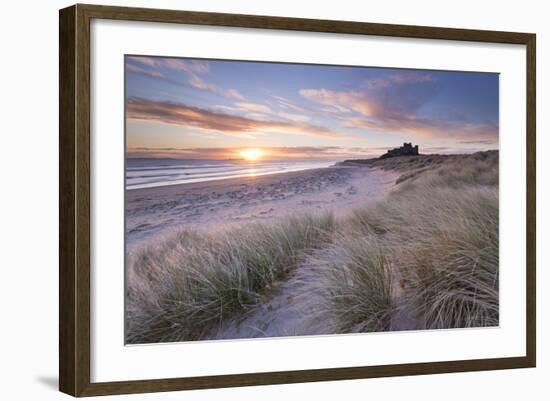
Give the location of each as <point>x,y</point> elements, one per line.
<point>406,150</point>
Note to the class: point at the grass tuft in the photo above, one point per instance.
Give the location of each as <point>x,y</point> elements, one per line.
<point>352,283</point>
<point>436,238</point>
<point>188,285</point>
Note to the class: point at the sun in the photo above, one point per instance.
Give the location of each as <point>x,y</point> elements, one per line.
<point>251,154</point>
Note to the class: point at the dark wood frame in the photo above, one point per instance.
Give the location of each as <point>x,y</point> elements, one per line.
<point>74,199</point>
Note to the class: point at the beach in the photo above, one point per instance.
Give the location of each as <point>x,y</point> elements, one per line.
<point>154,213</point>
<point>362,246</point>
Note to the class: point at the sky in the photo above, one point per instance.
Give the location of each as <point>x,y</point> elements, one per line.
<point>215,109</point>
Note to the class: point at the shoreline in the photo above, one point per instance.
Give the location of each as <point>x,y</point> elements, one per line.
<point>153,213</point>
<point>227,177</point>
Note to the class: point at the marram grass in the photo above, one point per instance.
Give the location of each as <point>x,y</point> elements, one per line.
<point>192,283</point>
<point>430,248</point>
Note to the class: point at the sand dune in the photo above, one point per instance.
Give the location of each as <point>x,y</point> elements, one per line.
<point>250,259</point>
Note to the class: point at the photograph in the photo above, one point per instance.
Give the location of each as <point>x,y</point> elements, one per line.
<point>268,199</point>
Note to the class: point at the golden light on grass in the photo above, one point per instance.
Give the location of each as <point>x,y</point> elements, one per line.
<point>251,154</point>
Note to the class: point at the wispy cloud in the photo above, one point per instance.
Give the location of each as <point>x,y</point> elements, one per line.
<point>479,142</point>
<point>397,94</point>
<point>155,74</point>
<point>428,128</point>
<point>140,70</point>
<point>189,116</point>
<point>285,103</point>
<point>199,83</point>
<point>392,104</point>
<point>298,152</point>
<point>343,102</point>
<point>254,107</point>
<point>293,117</point>
<point>155,66</point>
<point>406,78</point>
<point>190,66</point>
<point>262,112</point>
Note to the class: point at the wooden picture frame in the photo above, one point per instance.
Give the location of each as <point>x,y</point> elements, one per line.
<point>74,199</point>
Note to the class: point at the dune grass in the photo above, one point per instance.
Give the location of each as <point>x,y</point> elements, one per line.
<point>440,232</point>
<point>454,261</point>
<point>186,286</point>
<point>480,168</point>
<point>443,244</point>
<point>431,246</point>
<point>351,285</point>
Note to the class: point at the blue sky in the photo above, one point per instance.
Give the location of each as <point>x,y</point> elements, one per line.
<point>192,108</point>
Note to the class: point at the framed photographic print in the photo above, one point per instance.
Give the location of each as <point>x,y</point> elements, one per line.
<point>250,200</point>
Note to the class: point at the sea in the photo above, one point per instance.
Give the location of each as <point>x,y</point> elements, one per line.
<point>149,172</point>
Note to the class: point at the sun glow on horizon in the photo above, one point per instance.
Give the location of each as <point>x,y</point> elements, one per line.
<point>251,154</point>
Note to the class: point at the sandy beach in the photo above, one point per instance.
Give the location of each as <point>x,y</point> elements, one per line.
<point>151,213</point>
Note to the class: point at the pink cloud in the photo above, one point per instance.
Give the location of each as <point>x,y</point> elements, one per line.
<point>189,66</point>
<point>400,79</point>
<point>199,83</point>
<point>254,107</point>
<point>140,70</point>
<point>293,116</point>
<point>426,128</point>
<point>344,102</point>
<point>391,105</point>
<point>285,103</point>
<point>272,152</point>
<point>180,114</point>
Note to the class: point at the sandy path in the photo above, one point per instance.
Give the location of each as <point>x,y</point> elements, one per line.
<point>403,316</point>
<point>288,312</point>
<point>283,314</point>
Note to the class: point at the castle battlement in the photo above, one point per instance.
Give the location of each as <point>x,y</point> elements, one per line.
<point>406,150</point>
